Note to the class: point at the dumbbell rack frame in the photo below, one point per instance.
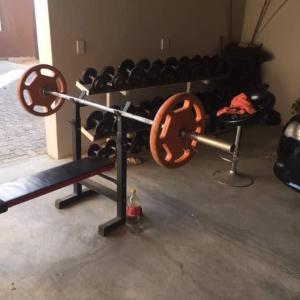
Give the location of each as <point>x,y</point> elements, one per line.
<point>120,195</point>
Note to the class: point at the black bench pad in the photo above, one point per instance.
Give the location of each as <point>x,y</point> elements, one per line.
<point>29,187</point>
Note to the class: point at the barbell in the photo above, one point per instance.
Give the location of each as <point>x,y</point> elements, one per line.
<point>175,132</point>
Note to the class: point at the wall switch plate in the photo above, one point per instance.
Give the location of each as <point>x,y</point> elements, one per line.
<point>164,44</point>
<point>80,47</point>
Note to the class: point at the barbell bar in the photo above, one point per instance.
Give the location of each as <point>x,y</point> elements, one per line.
<point>176,130</point>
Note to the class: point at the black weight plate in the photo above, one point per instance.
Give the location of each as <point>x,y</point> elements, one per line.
<point>182,72</point>
<point>87,75</point>
<point>108,73</point>
<point>98,83</point>
<point>171,61</point>
<point>93,150</point>
<point>153,74</point>
<point>119,81</point>
<point>207,63</point>
<point>127,64</point>
<point>111,146</point>
<point>144,64</point>
<point>93,119</point>
<point>137,77</point>
<point>159,63</point>
<point>168,74</point>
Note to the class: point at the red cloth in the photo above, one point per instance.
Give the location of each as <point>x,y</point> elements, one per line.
<point>239,105</point>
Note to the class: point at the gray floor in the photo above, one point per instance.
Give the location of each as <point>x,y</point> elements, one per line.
<point>22,135</point>
<point>200,240</point>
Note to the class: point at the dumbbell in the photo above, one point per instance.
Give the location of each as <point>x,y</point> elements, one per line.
<point>111,147</point>
<point>89,76</point>
<point>208,66</point>
<point>96,120</point>
<point>112,119</point>
<point>196,67</point>
<point>116,81</point>
<point>144,64</point>
<point>135,75</point>
<point>183,68</point>
<point>96,150</point>
<point>154,72</point>
<point>131,145</point>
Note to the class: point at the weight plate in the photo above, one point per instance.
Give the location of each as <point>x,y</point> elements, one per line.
<point>168,146</point>
<point>31,87</point>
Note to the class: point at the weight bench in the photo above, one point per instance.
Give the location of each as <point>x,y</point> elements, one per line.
<point>27,188</point>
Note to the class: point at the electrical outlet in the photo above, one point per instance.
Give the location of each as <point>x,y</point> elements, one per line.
<point>80,47</point>
<point>164,44</point>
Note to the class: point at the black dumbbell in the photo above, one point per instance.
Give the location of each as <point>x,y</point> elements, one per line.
<point>116,81</point>
<point>96,150</point>
<point>112,119</point>
<point>144,64</point>
<point>102,125</point>
<point>111,147</point>
<point>171,61</point>
<point>135,75</point>
<point>208,66</point>
<point>154,72</point>
<point>89,76</point>
<point>131,145</point>
<point>196,68</point>
<point>158,63</point>
<point>183,68</point>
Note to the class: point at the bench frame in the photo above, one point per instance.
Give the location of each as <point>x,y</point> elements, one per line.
<point>121,179</point>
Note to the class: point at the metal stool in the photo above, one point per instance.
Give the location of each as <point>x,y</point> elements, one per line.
<point>233,177</point>
<point>263,101</point>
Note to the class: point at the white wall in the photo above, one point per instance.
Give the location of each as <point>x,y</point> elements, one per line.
<point>118,29</point>
<point>282,39</point>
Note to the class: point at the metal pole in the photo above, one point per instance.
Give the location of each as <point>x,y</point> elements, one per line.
<point>224,146</point>
<point>235,157</point>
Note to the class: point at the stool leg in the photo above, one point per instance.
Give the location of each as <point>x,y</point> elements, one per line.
<point>232,177</point>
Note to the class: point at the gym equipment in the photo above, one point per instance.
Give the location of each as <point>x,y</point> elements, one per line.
<point>135,75</point>
<point>158,63</point>
<point>153,74</point>
<point>183,68</point>
<point>144,64</point>
<point>89,76</point>
<point>96,150</point>
<point>99,121</point>
<point>116,81</point>
<point>175,131</point>
<point>171,61</point>
<point>168,74</point>
<point>287,165</point>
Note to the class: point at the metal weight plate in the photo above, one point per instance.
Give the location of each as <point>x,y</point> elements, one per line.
<point>127,64</point>
<point>98,83</point>
<point>108,73</point>
<point>31,87</point>
<point>168,146</point>
<point>119,81</point>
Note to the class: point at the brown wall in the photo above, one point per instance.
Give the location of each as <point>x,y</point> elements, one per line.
<point>17,37</point>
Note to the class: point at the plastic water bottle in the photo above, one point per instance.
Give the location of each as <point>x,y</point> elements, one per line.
<point>133,211</point>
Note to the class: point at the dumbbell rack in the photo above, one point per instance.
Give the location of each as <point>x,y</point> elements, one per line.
<point>120,181</point>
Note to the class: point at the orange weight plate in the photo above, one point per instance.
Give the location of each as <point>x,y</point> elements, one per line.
<point>31,88</point>
<point>180,113</point>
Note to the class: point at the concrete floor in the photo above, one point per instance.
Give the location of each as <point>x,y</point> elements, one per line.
<point>199,239</point>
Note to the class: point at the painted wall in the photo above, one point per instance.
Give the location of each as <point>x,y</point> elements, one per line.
<point>17,37</point>
<point>118,29</point>
<point>281,38</point>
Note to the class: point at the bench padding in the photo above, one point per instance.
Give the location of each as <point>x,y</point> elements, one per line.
<point>29,187</point>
